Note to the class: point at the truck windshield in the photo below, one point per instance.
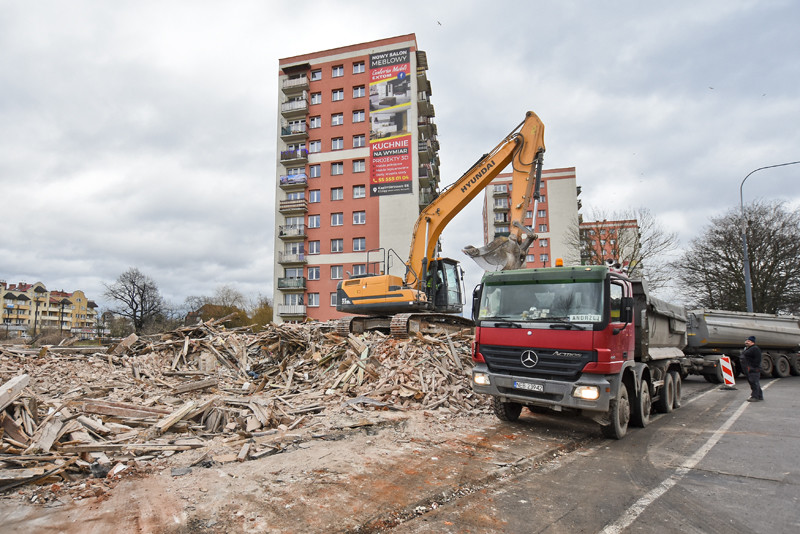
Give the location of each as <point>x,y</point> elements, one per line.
<point>579,302</point>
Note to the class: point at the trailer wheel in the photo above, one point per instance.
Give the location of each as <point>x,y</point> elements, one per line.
<point>767,365</point>
<point>794,364</point>
<point>781,368</point>
<point>666,399</point>
<point>640,415</point>
<point>620,413</point>
<point>676,387</point>
<point>507,411</point>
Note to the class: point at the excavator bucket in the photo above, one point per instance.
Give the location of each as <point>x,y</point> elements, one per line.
<point>500,255</point>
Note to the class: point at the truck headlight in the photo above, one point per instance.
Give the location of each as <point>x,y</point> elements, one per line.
<point>481,379</point>
<point>586,392</point>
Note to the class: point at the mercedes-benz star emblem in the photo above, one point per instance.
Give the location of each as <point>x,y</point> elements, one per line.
<point>529,359</point>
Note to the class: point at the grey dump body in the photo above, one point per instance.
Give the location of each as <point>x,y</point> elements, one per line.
<point>660,326</point>
<point>717,330</point>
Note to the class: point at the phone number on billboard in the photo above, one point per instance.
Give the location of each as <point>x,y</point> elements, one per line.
<point>387,179</point>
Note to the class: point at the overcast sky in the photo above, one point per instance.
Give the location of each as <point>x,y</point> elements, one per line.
<point>142,134</point>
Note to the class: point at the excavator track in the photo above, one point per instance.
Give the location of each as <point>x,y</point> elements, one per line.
<point>405,324</point>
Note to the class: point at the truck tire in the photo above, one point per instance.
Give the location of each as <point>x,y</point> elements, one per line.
<point>506,411</point>
<point>666,399</point>
<point>620,412</point>
<point>781,368</point>
<point>794,364</point>
<point>676,389</point>
<point>767,365</point>
<point>640,412</point>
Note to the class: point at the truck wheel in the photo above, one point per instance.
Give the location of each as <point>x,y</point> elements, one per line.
<point>781,368</point>
<point>667,397</point>
<point>640,415</point>
<point>766,366</point>
<point>620,412</point>
<point>507,411</point>
<point>676,389</point>
<point>794,364</point>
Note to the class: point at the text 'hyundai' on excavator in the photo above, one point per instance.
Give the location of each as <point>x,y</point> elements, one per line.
<point>429,297</point>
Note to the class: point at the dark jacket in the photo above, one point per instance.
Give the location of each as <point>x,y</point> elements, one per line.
<point>751,358</point>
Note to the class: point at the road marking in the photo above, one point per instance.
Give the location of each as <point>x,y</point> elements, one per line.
<point>636,509</point>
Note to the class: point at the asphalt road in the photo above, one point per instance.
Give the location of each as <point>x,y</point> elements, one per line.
<point>717,465</point>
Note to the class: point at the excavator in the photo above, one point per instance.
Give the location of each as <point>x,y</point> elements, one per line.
<point>429,297</point>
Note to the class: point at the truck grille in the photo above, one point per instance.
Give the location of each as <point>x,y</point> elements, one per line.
<point>550,365</point>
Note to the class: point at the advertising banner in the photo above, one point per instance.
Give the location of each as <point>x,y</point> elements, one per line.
<point>389,109</point>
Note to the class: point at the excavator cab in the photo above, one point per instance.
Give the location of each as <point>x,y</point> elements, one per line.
<point>444,285</point>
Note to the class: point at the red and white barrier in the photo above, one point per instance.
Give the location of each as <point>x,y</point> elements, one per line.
<point>727,371</point>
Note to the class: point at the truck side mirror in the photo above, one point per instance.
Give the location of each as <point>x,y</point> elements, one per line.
<point>476,301</point>
<point>625,315</point>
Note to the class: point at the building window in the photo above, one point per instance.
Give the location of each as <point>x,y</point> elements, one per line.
<point>528,214</point>
<point>313,273</point>
<point>337,245</point>
<point>359,269</point>
<point>337,168</point>
<point>544,258</point>
<point>314,147</point>
<point>359,165</point>
<point>336,272</point>
<point>313,300</point>
<point>293,299</point>
<point>359,141</point>
<point>358,115</point>
<point>359,244</point>
<point>359,67</point>
<point>337,71</point>
<point>314,196</point>
<point>337,95</point>
<point>337,219</point>
<point>501,229</point>
<point>541,213</point>
<point>313,221</point>
<point>316,75</point>
<point>612,241</point>
<point>337,143</point>
<point>530,258</point>
<point>501,203</point>
<point>359,191</point>
<point>337,193</point>
<point>501,217</point>
<point>333,299</point>
<point>314,171</point>
<point>316,98</point>
<point>315,122</point>
<point>500,188</point>
<point>359,217</point>
<point>543,242</point>
<point>313,247</point>
<point>359,91</point>
<point>337,119</point>
<point>542,227</point>
<point>542,198</point>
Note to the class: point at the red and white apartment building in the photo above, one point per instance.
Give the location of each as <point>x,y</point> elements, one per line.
<point>357,160</point>
<point>554,222</point>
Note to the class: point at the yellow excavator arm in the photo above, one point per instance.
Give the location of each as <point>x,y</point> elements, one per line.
<point>523,148</point>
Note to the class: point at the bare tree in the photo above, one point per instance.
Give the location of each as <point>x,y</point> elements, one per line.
<point>137,298</point>
<point>712,269</point>
<point>633,238</point>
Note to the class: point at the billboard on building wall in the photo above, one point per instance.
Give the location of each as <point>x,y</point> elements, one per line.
<point>390,97</point>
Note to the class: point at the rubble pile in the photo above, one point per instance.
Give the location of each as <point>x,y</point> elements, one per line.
<point>67,413</point>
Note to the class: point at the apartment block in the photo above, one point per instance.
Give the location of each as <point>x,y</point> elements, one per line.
<point>30,309</point>
<point>609,240</point>
<point>357,161</point>
<point>555,220</point>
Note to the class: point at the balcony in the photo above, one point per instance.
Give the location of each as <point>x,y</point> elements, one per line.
<point>425,151</point>
<point>292,232</point>
<point>291,310</point>
<point>295,85</point>
<point>294,132</point>
<point>299,205</point>
<point>286,258</point>
<point>500,193</point>
<point>296,156</point>
<point>425,197</point>
<point>293,182</point>
<point>294,108</point>
<point>290,284</point>
<point>424,107</point>
<point>428,175</point>
<point>501,206</point>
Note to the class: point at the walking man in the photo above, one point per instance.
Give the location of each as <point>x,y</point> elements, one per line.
<point>751,363</point>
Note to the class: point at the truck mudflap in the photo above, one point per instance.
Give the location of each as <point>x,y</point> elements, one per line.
<point>554,394</point>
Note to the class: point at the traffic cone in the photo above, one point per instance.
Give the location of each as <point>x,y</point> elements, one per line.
<point>727,372</point>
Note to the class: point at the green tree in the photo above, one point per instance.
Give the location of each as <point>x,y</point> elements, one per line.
<point>712,268</point>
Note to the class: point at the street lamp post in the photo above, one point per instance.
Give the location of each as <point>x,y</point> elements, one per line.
<point>748,292</point>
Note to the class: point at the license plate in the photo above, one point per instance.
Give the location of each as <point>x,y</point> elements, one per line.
<point>529,386</point>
